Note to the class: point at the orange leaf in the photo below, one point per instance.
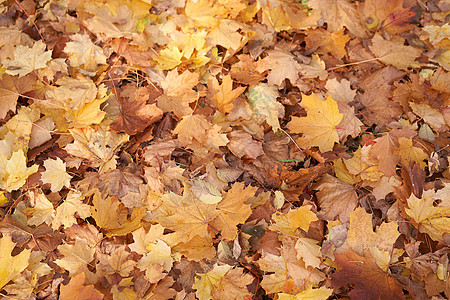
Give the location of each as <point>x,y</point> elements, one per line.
<point>76,290</point>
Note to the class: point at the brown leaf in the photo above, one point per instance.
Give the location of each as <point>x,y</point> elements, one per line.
<point>336,198</point>
<point>368,280</point>
<point>134,114</point>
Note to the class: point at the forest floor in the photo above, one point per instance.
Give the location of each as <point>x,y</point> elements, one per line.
<point>226,149</point>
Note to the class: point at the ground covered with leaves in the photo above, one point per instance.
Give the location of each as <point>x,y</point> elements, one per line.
<point>227,149</point>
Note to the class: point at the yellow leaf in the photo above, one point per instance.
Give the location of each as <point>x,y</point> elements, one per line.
<point>192,127</point>
<point>408,152</point>
<point>42,210</point>
<point>168,58</point>
<point>178,92</point>
<point>158,253</point>
<point>301,218</point>
<point>186,216</point>
<point>232,209</point>
<point>207,282</point>
<point>55,174</point>
<point>322,293</point>
<point>308,251</point>
<point>107,213</point>
<point>76,257</point>
<point>225,95</point>
<point>27,59</point>
<point>319,126</point>
<point>11,266</point>
<point>142,239</point>
<point>65,213</point>
<point>14,171</point>
<point>84,54</point>
<point>429,219</point>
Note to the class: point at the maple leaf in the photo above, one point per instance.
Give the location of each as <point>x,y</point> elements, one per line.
<point>117,263</point>
<point>65,213</point>
<point>186,216</point>
<point>14,171</point>
<point>178,92</point>
<point>76,257</point>
<point>233,285</point>
<point>224,95</point>
<point>107,212</point>
<point>428,218</point>
<point>96,144</point>
<point>134,114</point>
<point>262,98</point>
<point>335,197</point>
<point>369,281</point>
<point>327,42</point>
<point>42,210</point>
<point>308,251</point>
<point>244,71</point>
<point>340,90</point>
<point>282,65</point>
<point>350,124</point>
<point>242,144</point>
<point>168,58</point>
<point>383,150</point>
<point>321,293</point>
<point>232,209</point>
<point>55,174</point>
<point>11,88</point>
<point>432,116</point>
<point>361,164</point>
<point>197,249</point>
<point>319,126</point>
<point>408,152</point>
<point>11,266</point>
<point>207,281</point>
<point>76,289</point>
<point>337,14</point>
<point>192,127</point>
<point>361,238</point>
<point>281,16</point>
<point>27,59</point>
<point>84,54</point>
<point>394,52</point>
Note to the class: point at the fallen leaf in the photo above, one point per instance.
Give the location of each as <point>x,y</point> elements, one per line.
<point>368,280</point>
<point>224,95</point>
<point>76,257</point>
<point>11,88</point>
<point>319,126</point>
<point>428,218</point>
<point>395,53</point>
<point>65,213</point>
<point>27,59</point>
<point>14,171</point>
<point>263,100</point>
<point>282,65</point>
<point>55,174</point>
<point>408,152</point>
<point>336,198</point>
<point>11,266</point>
<point>76,289</point>
<point>327,42</point>
<point>232,210</point>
